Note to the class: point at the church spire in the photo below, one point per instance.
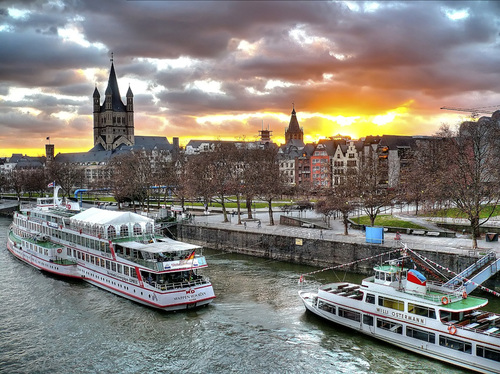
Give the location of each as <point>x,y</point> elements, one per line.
<point>294,131</point>
<point>113,90</point>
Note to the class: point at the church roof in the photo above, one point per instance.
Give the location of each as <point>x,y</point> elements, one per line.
<point>147,143</point>
<point>84,157</point>
<point>113,90</point>
<point>396,141</point>
<point>294,123</point>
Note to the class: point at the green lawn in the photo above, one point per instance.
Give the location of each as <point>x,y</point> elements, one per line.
<point>387,220</point>
<point>455,213</point>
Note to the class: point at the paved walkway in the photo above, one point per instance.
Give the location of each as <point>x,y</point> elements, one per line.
<point>461,245</point>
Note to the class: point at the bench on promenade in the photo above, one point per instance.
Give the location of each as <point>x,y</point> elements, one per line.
<point>418,232</point>
<point>433,233</point>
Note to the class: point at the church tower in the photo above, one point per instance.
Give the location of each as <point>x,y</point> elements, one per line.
<point>294,131</point>
<point>113,121</point>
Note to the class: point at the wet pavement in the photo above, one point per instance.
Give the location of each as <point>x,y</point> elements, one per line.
<point>334,231</point>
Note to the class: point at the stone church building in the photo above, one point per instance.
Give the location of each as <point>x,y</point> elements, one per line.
<point>113,120</point>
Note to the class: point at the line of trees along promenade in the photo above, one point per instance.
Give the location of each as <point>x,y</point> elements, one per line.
<point>459,168</point>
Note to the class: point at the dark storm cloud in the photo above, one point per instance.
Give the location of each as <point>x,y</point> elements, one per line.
<point>324,56</point>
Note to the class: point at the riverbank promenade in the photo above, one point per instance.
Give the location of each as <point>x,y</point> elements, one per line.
<point>334,231</point>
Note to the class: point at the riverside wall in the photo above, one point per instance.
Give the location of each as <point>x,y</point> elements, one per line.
<point>320,253</point>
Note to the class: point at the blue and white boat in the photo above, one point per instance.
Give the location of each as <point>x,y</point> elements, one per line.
<point>400,306</point>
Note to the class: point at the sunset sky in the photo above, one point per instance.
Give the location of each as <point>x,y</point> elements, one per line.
<point>222,69</point>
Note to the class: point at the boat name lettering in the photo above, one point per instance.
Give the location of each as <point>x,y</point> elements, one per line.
<point>173,264</point>
<point>190,296</point>
<point>402,316</point>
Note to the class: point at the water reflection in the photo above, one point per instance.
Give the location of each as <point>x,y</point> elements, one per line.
<point>256,324</point>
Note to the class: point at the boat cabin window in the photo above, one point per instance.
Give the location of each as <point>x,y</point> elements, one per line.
<point>455,344</point>
<point>489,353</point>
<point>327,307</point>
<point>421,310</point>
<point>350,314</point>
<point>370,298</point>
<point>389,325</point>
<point>384,276</point>
<point>420,335</point>
<point>391,303</point>
<point>449,317</point>
<point>367,319</point>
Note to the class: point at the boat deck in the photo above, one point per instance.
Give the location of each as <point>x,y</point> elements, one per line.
<point>348,290</point>
<point>483,322</point>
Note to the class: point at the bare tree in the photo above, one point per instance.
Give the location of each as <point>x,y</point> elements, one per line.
<point>35,181</point>
<point>342,198</point>
<point>68,176</point>
<point>272,181</point>
<point>372,195</point>
<point>473,178</point>
<point>131,177</point>
<point>198,178</point>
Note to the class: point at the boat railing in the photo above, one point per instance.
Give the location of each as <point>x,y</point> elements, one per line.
<point>439,293</point>
<point>181,285</point>
<point>153,264</point>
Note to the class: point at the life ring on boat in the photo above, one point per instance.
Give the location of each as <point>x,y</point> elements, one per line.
<point>444,300</point>
<point>452,330</point>
<point>59,250</point>
<point>464,295</point>
<point>68,206</point>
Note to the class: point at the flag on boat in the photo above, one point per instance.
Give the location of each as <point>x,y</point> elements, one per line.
<point>51,184</point>
<point>191,256</point>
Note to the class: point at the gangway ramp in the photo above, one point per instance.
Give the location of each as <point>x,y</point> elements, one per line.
<point>479,272</point>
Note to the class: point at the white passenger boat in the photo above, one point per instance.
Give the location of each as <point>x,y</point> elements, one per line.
<point>401,307</point>
<point>117,251</point>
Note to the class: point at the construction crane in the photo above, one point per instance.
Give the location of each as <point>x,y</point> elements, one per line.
<point>475,111</point>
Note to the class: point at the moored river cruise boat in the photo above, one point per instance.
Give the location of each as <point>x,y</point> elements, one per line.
<point>400,306</point>
<point>117,251</point>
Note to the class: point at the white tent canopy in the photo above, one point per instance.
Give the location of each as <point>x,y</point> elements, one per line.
<point>163,245</point>
<point>109,217</point>
<point>100,221</point>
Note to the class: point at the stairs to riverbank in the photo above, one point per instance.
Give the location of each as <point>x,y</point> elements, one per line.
<point>479,272</point>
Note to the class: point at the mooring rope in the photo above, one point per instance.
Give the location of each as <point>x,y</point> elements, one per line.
<point>301,279</point>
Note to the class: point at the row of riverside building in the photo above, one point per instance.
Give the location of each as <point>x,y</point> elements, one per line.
<point>316,165</point>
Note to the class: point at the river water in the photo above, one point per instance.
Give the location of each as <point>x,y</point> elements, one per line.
<point>257,324</point>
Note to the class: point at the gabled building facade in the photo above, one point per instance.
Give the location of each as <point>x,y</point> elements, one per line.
<point>321,168</point>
